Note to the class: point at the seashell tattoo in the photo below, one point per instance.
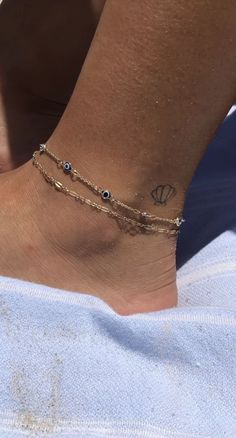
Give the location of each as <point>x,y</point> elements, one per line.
<point>163,193</point>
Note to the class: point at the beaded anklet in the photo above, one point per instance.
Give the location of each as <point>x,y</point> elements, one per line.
<point>143,220</point>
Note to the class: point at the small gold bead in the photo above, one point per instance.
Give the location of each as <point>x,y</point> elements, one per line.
<point>58,185</point>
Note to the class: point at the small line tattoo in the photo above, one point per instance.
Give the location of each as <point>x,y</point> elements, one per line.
<point>163,193</point>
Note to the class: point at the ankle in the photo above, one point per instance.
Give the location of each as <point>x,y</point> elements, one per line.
<point>83,251</point>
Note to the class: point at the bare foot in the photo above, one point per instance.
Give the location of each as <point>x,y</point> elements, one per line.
<point>48,238</point>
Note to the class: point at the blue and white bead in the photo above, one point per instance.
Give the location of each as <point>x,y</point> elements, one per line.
<point>106,194</point>
<point>67,167</point>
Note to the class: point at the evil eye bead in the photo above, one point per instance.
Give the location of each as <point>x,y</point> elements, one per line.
<point>106,194</point>
<point>67,167</point>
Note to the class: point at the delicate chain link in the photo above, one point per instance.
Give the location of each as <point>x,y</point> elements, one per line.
<point>75,175</point>
<point>62,188</point>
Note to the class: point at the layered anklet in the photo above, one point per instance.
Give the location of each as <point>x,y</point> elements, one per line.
<point>141,221</point>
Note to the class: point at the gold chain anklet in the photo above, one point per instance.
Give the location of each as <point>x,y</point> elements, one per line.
<point>75,175</point>
<point>104,193</point>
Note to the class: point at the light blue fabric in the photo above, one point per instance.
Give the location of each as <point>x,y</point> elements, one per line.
<point>70,367</point>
